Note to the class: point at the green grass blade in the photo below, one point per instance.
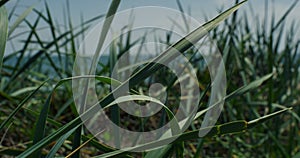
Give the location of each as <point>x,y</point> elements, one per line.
<point>36,56</point>
<point>253,85</point>
<point>23,90</point>
<point>25,47</point>
<point>19,20</point>
<point>10,151</point>
<point>37,114</point>
<point>40,126</point>
<point>115,111</point>
<point>53,65</point>
<point>174,123</point>
<point>161,152</point>
<point>248,87</point>
<point>284,16</point>
<point>58,144</point>
<point>227,128</point>
<point>70,25</point>
<point>257,121</point>
<point>183,15</point>
<point>61,131</point>
<point>12,11</point>
<point>76,122</point>
<point>3,33</point>
<point>12,114</point>
<point>53,33</point>
<point>106,26</point>
<point>181,45</point>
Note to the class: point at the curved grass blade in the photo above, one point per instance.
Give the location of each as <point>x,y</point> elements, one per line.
<point>40,127</point>
<point>39,133</point>
<point>3,33</point>
<point>181,46</point>
<point>237,92</point>
<point>161,152</point>
<point>174,123</point>
<point>227,128</point>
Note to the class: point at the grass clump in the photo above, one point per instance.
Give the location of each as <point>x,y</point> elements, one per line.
<point>39,117</point>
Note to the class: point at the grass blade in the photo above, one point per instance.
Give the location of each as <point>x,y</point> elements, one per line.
<point>20,106</point>
<point>181,45</point>
<point>255,122</point>
<point>284,16</point>
<point>82,145</point>
<point>19,20</point>
<point>40,126</point>
<point>248,87</point>
<point>106,26</point>
<point>3,33</point>
<point>58,144</point>
<point>60,132</point>
<point>227,128</point>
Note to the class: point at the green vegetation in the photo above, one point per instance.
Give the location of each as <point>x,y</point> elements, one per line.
<point>38,117</point>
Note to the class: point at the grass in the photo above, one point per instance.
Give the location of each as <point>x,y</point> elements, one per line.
<point>263,84</point>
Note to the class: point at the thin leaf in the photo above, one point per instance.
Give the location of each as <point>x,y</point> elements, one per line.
<point>181,45</point>
<point>248,87</point>
<point>40,126</point>
<point>284,15</point>
<point>3,33</point>
<point>12,114</point>
<point>227,128</point>
<point>58,144</point>
<point>82,145</point>
<point>73,124</point>
<point>19,20</point>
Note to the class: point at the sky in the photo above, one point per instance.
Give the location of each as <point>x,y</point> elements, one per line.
<point>198,8</point>
<point>90,8</point>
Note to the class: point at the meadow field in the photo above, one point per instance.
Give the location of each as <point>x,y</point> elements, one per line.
<point>249,106</point>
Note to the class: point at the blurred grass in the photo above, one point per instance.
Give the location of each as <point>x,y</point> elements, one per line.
<point>3,32</point>
<point>35,118</point>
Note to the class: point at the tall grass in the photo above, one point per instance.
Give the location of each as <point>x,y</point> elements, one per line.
<point>39,117</point>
